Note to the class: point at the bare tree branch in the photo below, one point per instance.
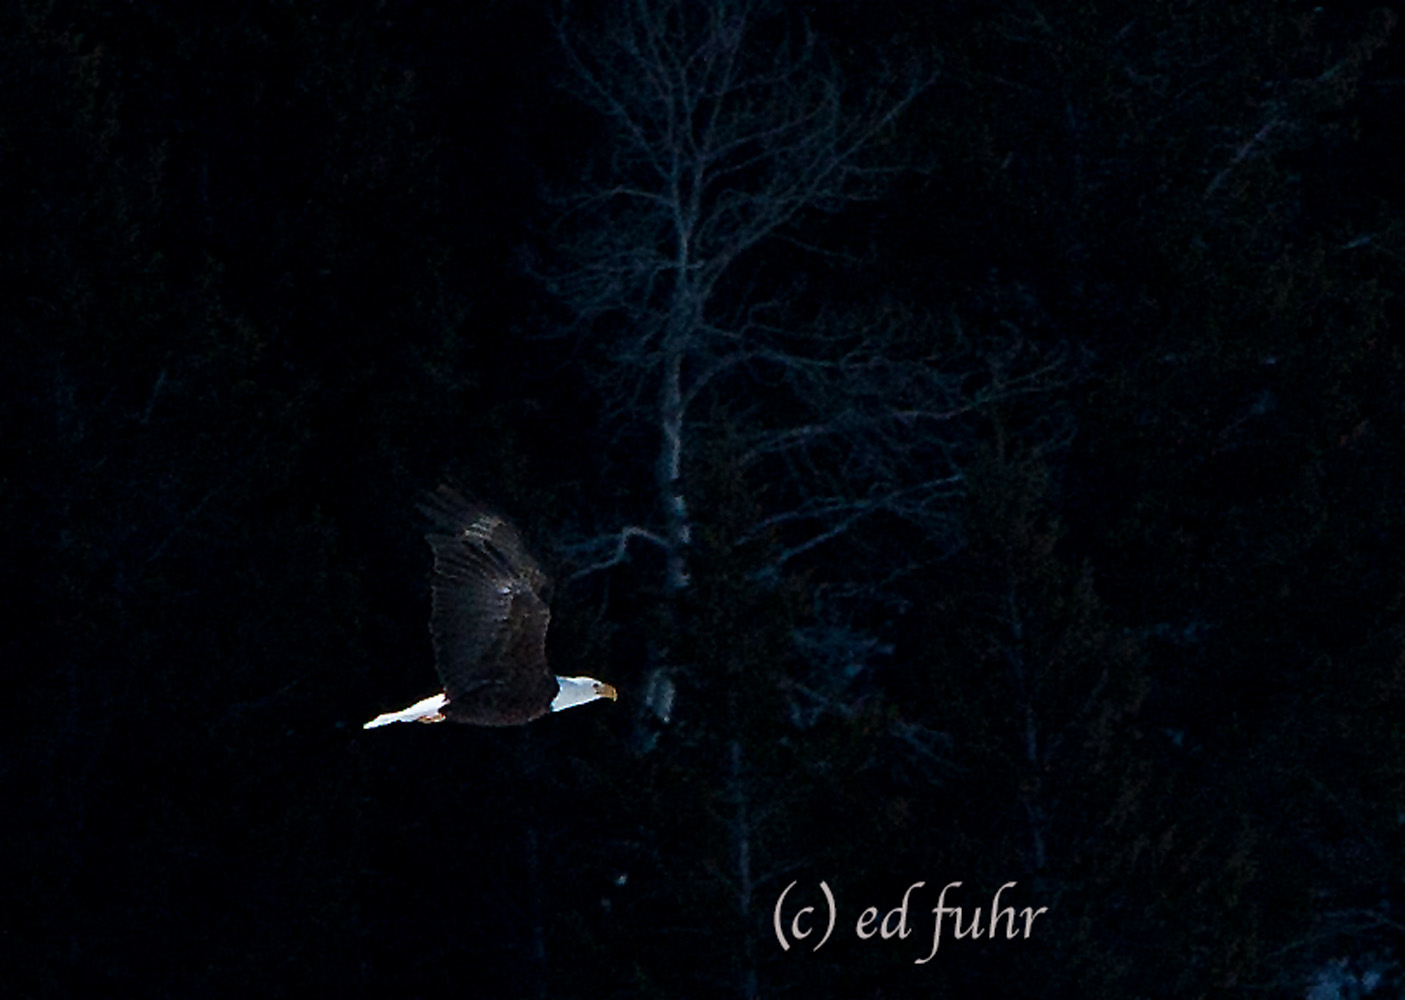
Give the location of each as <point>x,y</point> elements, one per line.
<point>617,555</point>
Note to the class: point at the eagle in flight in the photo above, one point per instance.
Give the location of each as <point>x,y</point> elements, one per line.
<point>489,625</point>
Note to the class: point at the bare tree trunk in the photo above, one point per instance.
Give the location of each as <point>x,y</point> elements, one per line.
<point>748,979</point>
<point>677,530</point>
<point>1031,795</point>
<point>537,912</point>
<point>536,885</point>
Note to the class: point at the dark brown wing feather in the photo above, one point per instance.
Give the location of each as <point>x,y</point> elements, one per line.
<point>489,618</point>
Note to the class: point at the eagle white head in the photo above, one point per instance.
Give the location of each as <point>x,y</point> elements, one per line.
<point>579,690</point>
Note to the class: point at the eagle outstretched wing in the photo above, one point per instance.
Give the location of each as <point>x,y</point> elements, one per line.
<point>490,615</point>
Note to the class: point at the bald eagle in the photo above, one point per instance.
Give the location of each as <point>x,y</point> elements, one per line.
<point>489,624</point>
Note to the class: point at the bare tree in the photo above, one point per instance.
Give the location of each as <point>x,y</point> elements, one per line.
<point>723,127</point>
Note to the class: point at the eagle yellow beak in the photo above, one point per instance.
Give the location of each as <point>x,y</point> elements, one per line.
<point>607,691</point>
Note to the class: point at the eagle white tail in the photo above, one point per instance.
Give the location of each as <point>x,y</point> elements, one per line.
<point>426,711</point>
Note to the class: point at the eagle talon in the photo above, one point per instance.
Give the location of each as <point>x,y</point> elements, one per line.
<point>436,717</point>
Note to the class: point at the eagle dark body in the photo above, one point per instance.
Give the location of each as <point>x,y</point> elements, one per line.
<point>489,618</point>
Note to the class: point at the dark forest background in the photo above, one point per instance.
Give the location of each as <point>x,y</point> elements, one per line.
<point>1043,455</point>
